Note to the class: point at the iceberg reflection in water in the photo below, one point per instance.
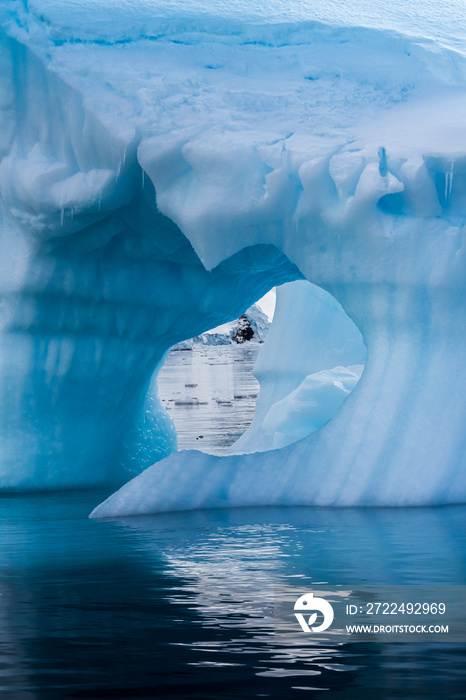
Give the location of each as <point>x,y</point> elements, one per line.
<point>180,605</point>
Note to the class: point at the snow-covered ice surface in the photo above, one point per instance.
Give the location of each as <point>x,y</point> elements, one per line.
<point>163,165</point>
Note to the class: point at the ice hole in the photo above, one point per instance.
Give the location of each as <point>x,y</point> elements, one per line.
<point>207,385</point>
<point>312,360</point>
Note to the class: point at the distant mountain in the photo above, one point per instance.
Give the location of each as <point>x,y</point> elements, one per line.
<point>250,327</point>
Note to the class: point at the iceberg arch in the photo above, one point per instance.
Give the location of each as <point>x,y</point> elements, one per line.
<point>159,171</point>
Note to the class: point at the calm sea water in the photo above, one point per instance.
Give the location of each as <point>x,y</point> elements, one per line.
<point>181,605</point>
<point>210,393</point>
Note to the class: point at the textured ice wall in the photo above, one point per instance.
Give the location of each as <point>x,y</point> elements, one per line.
<point>223,155</point>
<point>96,284</point>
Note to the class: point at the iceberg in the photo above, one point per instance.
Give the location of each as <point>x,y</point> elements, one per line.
<point>162,166</point>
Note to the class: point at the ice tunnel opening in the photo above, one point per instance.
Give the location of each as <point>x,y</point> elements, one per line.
<point>207,384</point>
<point>227,394</point>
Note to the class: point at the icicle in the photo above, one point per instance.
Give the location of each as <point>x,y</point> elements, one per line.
<point>143,178</point>
<point>124,157</point>
<point>448,183</point>
<point>62,216</point>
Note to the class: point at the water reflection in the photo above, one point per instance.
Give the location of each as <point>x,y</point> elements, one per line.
<point>232,560</point>
<point>180,605</point>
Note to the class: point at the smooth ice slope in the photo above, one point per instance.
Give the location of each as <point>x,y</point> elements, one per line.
<point>306,409</point>
<point>162,166</point>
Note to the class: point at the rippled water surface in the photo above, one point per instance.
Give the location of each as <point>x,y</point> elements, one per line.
<point>180,605</point>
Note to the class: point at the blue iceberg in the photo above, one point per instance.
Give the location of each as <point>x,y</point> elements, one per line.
<point>162,166</point>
